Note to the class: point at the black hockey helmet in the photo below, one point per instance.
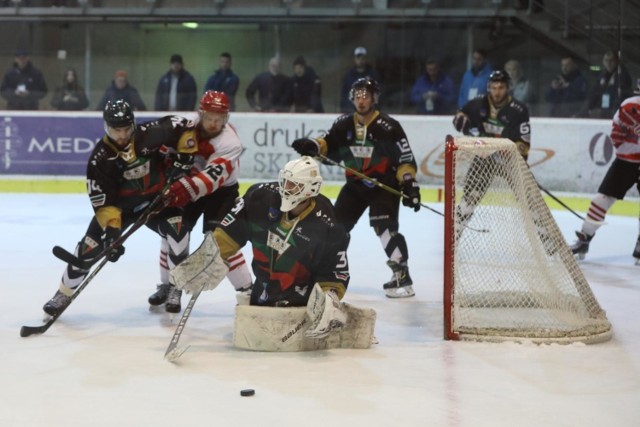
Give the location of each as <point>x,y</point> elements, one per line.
<point>499,76</point>
<point>368,84</point>
<point>118,114</point>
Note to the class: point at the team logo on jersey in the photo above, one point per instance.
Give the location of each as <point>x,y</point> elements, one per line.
<point>361,152</point>
<point>273,214</point>
<point>176,223</point>
<point>493,128</point>
<point>277,243</point>
<point>88,244</point>
<point>298,232</point>
<point>227,220</point>
<point>137,172</point>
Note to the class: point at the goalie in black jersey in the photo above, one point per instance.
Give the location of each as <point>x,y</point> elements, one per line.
<point>373,144</point>
<point>126,171</point>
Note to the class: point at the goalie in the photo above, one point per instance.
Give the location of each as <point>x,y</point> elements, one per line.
<point>298,249</point>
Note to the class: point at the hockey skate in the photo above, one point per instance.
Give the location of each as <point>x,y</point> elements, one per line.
<point>580,248</point>
<point>400,284</point>
<point>636,251</point>
<point>172,305</point>
<point>57,304</point>
<point>160,296</point>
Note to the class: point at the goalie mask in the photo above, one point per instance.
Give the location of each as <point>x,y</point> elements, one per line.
<point>298,181</point>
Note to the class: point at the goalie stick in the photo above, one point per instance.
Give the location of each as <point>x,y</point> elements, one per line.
<point>26,331</point>
<point>85,264</point>
<point>385,187</point>
<point>173,351</point>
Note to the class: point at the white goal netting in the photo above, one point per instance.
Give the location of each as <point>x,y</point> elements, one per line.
<point>509,274</point>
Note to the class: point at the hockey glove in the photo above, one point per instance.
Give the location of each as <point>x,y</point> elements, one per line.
<point>461,123</point>
<point>306,147</point>
<point>182,192</point>
<point>325,312</point>
<point>411,193</point>
<point>109,236</point>
<point>181,164</point>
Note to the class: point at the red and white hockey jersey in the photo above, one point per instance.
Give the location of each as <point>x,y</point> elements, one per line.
<point>625,131</point>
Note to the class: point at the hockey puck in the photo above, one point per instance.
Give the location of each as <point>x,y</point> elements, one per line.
<point>247,392</point>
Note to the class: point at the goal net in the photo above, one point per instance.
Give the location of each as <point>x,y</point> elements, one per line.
<point>508,273</point>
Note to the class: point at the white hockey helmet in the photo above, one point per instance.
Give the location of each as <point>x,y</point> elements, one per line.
<point>299,180</point>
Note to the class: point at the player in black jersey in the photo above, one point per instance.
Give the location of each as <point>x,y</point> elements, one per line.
<point>373,144</point>
<point>127,169</point>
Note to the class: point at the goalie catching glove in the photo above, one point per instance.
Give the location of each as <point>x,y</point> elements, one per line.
<point>411,193</point>
<point>306,147</point>
<point>326,313</point>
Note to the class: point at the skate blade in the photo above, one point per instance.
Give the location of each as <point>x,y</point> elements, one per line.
<point>403,292</point>
<point>175,354</point>
<point>637,261</point>
<point>579,257</point>
<point>156,308</point>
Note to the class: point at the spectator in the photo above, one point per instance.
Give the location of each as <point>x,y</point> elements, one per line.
<point>176,89</point>
<point>567,91</point>
<point>434,91</point>
<point>306,87</point>
<point>69,96</point>
<point>224,80</point>
<point>120,89</point>
<point>613,86</point>
<point>23,85</point>
<point>520,88</point>
<point>360,70</point>
<point>273,89</point>
<point>475,79</point>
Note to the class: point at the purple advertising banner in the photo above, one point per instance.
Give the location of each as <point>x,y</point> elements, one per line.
<point>48,143</point>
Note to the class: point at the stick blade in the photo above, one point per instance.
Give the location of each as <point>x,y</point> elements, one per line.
<point>174,354</point>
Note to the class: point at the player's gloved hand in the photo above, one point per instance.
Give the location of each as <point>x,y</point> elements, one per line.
<point>326,313</point>
<point>181,164</point>
<point>182,192</point>
<point>306,147</point>
<point>411,190</point>
<point>109,236</point>
<point>461,123</point>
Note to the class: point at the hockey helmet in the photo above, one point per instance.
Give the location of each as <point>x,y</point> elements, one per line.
<point>299,180</point>
<point>118,114</point>
<point>215,102</point>
<point>629,116</point>
<point>365,83</point>
<point>499,76</point>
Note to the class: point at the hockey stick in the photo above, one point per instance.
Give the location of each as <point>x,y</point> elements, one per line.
<point>158,203</point>
<point>25,331</point>
<point>560,202</point>
<point>385,187</point>
<point>173,351</point>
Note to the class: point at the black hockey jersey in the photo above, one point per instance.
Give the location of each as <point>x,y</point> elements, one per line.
<point>378,149</point>
<point>289,255</point>
<point>510,121</point>
<point>128,179</point>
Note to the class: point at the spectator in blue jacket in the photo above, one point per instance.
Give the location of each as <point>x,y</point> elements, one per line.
<point>567,92</point>
<point>274,90</point>
<point>224,80</point>
<point>176,90</point>
<point>474,81</point>
<point>121,89</point>
<point>360,70</point>
<point>434,91</point>
<point>23,86</point>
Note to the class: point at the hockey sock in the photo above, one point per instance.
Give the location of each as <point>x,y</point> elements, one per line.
<point>600,204</point>
<point>164,266</point>
<point>394,244</point>
<point>238,274</point>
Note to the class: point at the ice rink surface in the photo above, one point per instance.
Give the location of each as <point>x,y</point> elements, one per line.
<point>101,364</point>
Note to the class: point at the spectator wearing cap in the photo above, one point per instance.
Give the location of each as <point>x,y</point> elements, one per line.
<point>307,88</point>
<point>272,88</point>
<point>121,89</point>
<point>176,90</point>
<point>224,80</point>
<point>360,69</point>
<point>23,85</point>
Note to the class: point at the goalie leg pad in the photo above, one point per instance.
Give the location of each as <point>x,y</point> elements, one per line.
<point>203,270</point>
<point>283,329</point>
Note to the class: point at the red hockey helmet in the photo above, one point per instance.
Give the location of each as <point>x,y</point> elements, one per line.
<point>629,116</point>
<point>215,102</point>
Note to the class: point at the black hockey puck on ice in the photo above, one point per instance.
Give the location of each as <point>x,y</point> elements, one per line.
<point>247,392</point>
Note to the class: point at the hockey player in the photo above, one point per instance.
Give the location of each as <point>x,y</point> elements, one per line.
<point>495,115</point>
<point>296,243</point>
<point>127,169</point>
<point>375,145</point>
<point>210,189</point>
<point>623,173</point>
